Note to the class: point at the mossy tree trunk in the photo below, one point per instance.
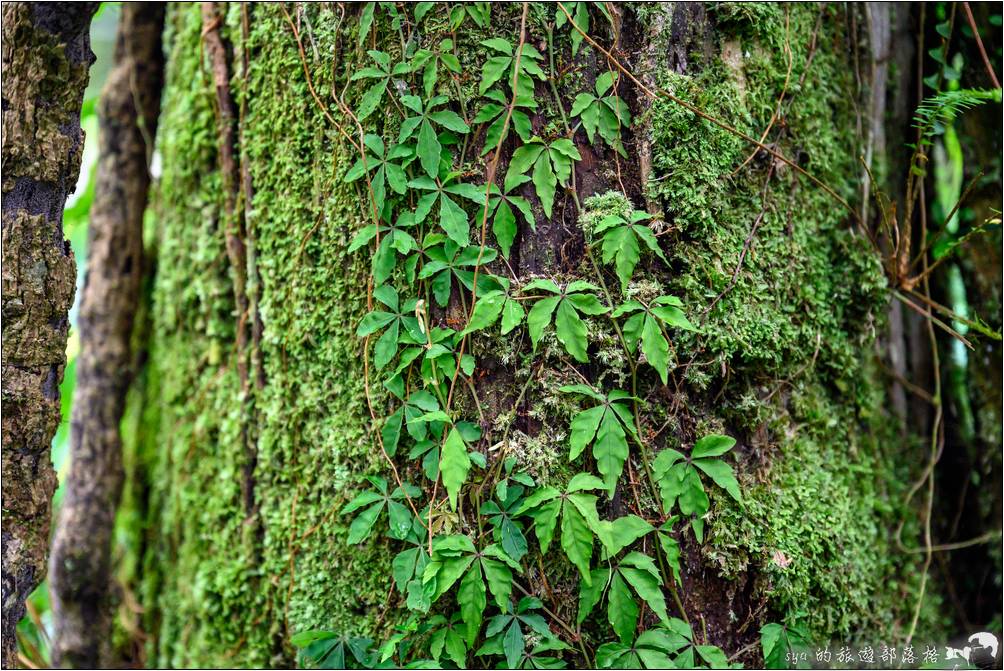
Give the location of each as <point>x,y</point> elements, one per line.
<point>250,429</point>
<point>46,57</point>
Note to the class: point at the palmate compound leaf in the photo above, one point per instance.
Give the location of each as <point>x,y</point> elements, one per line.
<point>621,240</point>
<point>634,576</point>
<point>375,501</point>
<point>456,558</point>
<point>565,308</point>
<point>648,324</point>
<point>490,306</point>
<point>505,632</point>
<point>576,511</point>
<point>605,426</point>
<point>607,114</point>
<point>778,641</point>
<point>580,525</point>
<point>547,163</point>
<point>680,483</point>
<point>396,319</point>
<point>454,464</point>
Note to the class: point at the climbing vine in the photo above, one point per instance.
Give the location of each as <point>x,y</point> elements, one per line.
<point>468,521</point>
<point>475,522</point>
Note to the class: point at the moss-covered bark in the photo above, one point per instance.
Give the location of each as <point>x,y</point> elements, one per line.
<point>46,56</point>
<point>784,359</point>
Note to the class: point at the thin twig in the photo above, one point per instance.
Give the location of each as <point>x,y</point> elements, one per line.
<point>979,43</point>
<point>780,99</point>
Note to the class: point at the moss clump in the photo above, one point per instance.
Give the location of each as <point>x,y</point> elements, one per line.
<point>218,586</point>
<point>788,339</point>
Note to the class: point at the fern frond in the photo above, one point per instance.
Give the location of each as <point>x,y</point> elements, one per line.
<point>934,112</point>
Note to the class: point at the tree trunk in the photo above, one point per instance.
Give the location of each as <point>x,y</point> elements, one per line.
<point>82,595</point>
<point>46,56</point>
<point>253,427</point>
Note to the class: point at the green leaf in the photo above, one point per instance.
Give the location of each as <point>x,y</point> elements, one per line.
<point>472,599</point>
<point>451,120</point>
<point>493,70</point>
<point>545,519</point>
<point>773,649</point>
<point>712,446</point>
<point>370,100</point>
<point>671,549</point>
<point>622,610</point>
<point>498,44</point>
<point>656,348</point>
<point>721,473</point>
<point>386,345</point>
<point>571,331</point>
<point>363,499</point>
<point>714,656</point>
<point>365,22</point>
<point>429,150</point>
<point>620,245</point>
<point>522,159</point>
<point>499,578</point>
<point>591,591</point>
<point>577,538</point>
<point>610,450</point>
<point>544,182</point>
<point>362,525</point>
<point>583,429</point>
<point>623,531</point>
<point>512,316</point>
<point>403,567</point>
<point>454,464</point>
<point>453,220</point>
<point>673,316</point>
<point>648,588</point>
<point>504,227</point>
<point>486,311</point>
<point>374,321</point>
<point>513,644</point>
<point>539,317</point>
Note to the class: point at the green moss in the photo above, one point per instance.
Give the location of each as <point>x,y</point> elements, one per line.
<point>220,588</point>
<point>790,338</point>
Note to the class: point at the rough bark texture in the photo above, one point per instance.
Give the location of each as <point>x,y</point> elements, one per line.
<point>82,593</point>
<point>784,360</point>
<point>46,56</point>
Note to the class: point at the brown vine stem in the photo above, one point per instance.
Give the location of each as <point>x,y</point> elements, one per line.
<point>707,117</point>
<point>489,182</point>
<point>360,147</point>
<point>979,43</point>
<point>784,91</point>
<point>937,443</point>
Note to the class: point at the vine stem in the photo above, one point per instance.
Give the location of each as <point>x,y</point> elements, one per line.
<point>360,147</point>
<point>667,575</point>
<point>489,182</point>
<point>979,43</point>
<point>576,635</point>
<point>659,92</point>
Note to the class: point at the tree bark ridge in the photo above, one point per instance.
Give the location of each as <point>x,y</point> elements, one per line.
<point>46,57</point>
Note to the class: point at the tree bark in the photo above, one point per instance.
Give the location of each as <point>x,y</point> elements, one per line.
<point>785,290</point>
<point>80,584</point>
<point>46,56</point>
